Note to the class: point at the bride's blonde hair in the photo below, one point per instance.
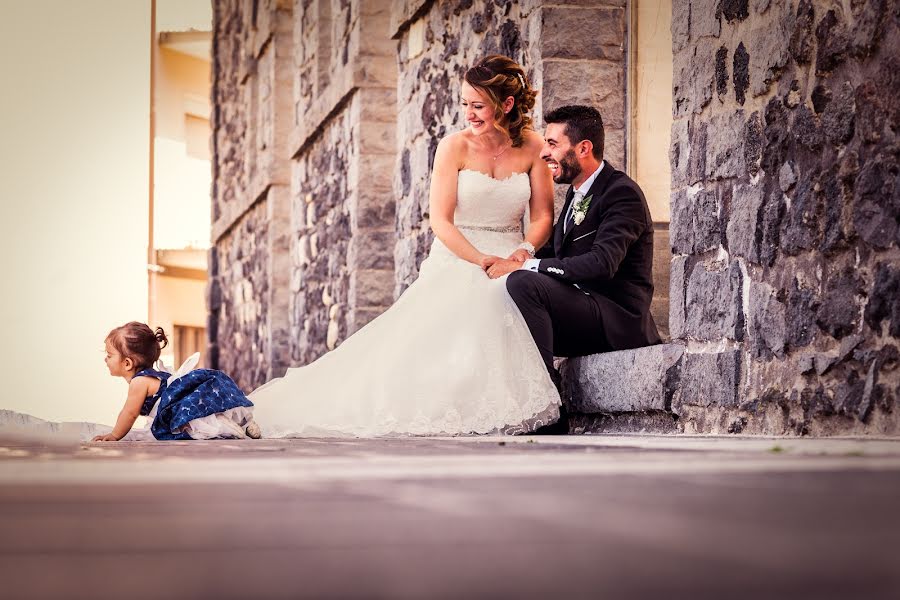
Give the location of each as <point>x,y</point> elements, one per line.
<point>500,77</point>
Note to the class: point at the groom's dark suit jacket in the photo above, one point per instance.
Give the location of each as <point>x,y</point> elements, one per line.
<point>609,255</point>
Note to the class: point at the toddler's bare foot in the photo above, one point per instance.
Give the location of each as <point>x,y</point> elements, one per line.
<point>253,431</point>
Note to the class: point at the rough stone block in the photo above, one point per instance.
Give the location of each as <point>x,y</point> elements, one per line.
<point>709,379</point>
<point>695,221</point>
<point>833,42</point>
<point>614,147</point>
<point>884,300</point>
<point>753,144</point>
<point>375,208</point>
<point>650,422</point>
<point>377,138</point>
<point>679,153</point>
<point>840,311</point>
<point>626,381</point>
<point>677,291</point>
<point>705,20</point>
<point>565,35</point>
<point>801,228</point>
<point>876,203</point>
<point>760,6</point>
<point>377,104</point>
<point>599,84</point>
<point>725,146</point>
<point>722,72</point>
<point>371,249</point>
<point>373,38</point>
<point>681,25</point>
<point>697,137</point>
<point>741,73</point>
<point>371,287</point>
<point>692,80</point>
<point>375,172</point>
<point>766,324</point>
<point>734,10</point>
<point>713,304</point>
<point>746,202</point>
<point>769,51</point>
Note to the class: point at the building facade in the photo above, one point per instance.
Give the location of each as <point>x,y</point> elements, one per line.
<point>779,276</point>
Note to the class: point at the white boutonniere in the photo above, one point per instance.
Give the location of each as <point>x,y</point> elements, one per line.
<point>580,210</point>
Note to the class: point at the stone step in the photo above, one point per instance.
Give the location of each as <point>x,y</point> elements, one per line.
<point>627,381</point>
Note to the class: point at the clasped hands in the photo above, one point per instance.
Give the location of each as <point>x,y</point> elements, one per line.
<point>496,267</point>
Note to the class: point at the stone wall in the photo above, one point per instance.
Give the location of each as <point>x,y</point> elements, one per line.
<point>327,115</point>
<point>248,279</point>
<point>785,209</point>
<point>342,160</point>
<point>303,156</point>
<point>439,40</point>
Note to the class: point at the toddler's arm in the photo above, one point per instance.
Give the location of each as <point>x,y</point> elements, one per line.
<point>137,392</point>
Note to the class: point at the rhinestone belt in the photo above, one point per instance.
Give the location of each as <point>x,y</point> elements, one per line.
<point>507,229</point>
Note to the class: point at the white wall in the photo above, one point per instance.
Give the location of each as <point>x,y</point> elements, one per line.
<point>74,117</point>
<point>183,15</point>
<point>652,117</point>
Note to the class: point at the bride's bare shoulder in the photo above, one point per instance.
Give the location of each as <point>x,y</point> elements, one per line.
<point>458,140</point>
<point>454,147</point>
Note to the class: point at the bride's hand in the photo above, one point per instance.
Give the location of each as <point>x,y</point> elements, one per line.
<point>520,255</point>
<point>487,260</point>
<point>503,267</point>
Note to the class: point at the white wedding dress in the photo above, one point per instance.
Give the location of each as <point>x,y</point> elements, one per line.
<point>453,355</point>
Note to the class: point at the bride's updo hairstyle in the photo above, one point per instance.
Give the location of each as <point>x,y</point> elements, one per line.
<point>499,77</point>
<point>138,342</point>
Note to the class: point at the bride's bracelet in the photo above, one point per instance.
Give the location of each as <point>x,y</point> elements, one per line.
<point>527,247</point>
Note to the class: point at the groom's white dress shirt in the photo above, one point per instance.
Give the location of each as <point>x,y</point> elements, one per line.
<point>533,263</point>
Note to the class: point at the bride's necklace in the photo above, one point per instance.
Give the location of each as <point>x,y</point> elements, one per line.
<point>499,154</point>
<point>496,156</point>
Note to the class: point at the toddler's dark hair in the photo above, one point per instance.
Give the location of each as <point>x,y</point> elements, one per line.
<point>138,342</point>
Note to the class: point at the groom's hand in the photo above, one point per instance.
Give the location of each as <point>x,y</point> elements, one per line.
<point>519,255</point>
<point>502,267</point>
<point>486,260</point>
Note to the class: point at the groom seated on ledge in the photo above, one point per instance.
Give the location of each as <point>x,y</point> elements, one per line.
<point>588,290</point>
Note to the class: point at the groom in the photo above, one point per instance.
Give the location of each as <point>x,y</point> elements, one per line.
<point>589,289</point>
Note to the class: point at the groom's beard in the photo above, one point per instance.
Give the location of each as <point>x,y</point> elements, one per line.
<point>569,168</point>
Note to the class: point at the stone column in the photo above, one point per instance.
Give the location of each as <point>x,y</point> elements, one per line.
<point>248,290</point>
<point>343,148</point>
<point>582,54</point>
<point>785,215</point>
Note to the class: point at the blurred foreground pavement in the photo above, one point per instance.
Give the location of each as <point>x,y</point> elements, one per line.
<point>480,517</point>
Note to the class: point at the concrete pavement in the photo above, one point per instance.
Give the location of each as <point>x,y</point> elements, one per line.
<point>473,517</point>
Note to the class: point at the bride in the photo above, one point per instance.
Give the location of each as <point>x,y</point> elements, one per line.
<point>453,355</point>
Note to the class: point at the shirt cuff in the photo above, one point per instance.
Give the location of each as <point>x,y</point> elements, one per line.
<point>532,264</point>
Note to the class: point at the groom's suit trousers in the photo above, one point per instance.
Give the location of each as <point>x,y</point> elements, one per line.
<point>574,329</point>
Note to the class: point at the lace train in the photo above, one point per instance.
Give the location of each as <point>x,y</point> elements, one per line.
<point>453,355</point>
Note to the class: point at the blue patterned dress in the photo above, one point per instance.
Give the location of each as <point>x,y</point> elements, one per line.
<point>197,394</point>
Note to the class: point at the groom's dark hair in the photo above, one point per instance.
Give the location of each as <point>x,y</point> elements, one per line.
<point>582,123</point>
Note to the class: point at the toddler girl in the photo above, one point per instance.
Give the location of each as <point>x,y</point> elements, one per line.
<point>196,404</point>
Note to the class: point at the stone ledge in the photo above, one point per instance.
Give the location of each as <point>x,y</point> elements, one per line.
<point>649,422</point>
<point>627,381</point>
